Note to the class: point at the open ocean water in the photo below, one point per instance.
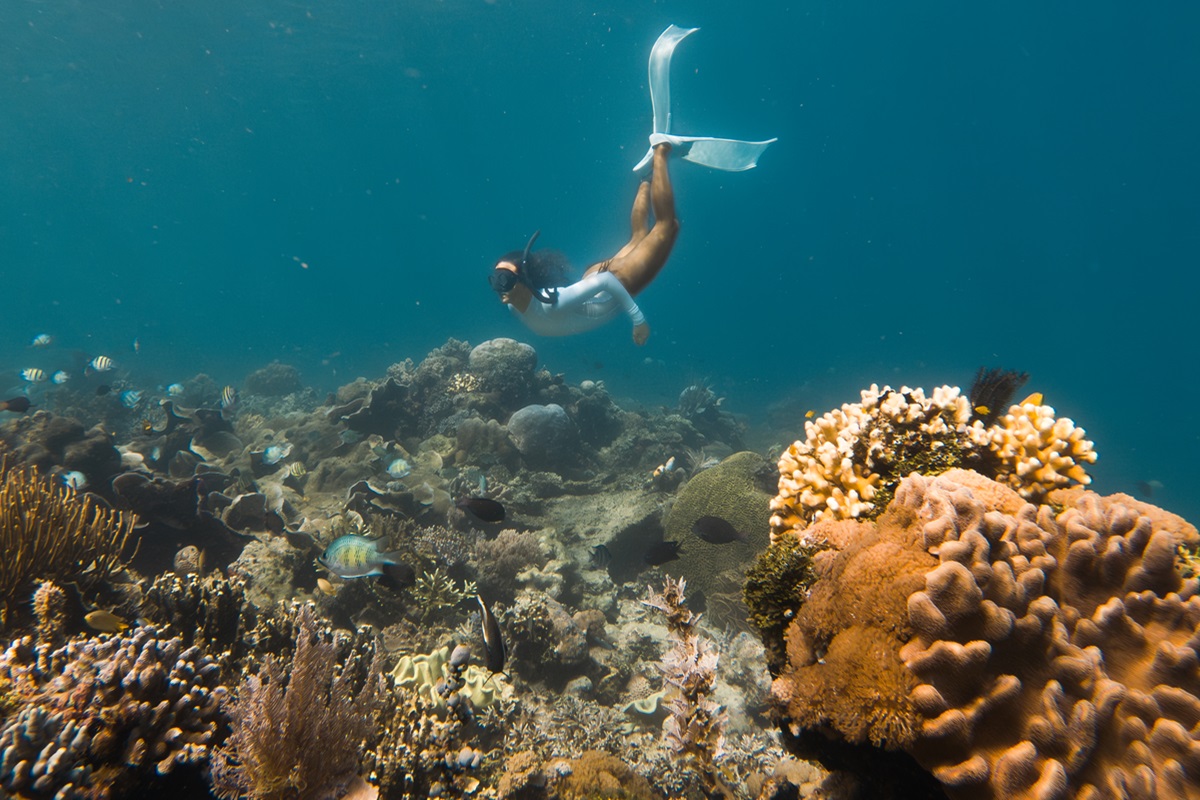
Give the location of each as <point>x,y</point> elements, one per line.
<point>329,183</point>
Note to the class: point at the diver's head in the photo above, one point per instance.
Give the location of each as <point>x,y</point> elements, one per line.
<point>504,277</point>
<point>516,269</point>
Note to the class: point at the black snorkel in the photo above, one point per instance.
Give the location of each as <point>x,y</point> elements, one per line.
<point>548,296</point>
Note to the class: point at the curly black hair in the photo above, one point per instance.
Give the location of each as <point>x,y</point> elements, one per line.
<point>544,269</point>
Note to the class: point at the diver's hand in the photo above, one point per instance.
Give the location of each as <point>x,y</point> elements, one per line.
<point>640,334</point>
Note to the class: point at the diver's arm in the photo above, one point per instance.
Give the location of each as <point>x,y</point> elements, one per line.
<point>613,285</point>
<point>583,290</point>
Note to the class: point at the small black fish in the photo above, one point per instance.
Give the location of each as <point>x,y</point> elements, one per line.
<point>483,508</point>
<point>18,405</point>
<point>493,642</point>
<point>601,557</point>
<point>662,552</point>
<point>103,389</point>
<point>716,530</point>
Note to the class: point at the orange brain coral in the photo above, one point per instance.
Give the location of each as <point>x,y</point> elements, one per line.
<point>1014,651</point>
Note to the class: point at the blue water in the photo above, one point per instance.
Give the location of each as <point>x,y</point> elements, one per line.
<point>953,186</point>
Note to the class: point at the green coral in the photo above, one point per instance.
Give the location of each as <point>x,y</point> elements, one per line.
<point>421,674</point>
<point>435,590</point>
<point>775,588</point>
<point>733,491</point>
<point>906,449</point>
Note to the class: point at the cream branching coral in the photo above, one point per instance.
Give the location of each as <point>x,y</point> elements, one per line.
<point>1017,650</point>
<point>851,453</point>
<point>852,458</point>
<point>1037,452</point>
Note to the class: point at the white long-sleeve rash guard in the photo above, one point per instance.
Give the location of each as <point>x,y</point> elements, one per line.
<point>583,306</point>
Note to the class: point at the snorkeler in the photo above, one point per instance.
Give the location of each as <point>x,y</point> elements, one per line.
<point>532,283</point>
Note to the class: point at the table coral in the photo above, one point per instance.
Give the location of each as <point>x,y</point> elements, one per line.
<point>1046,653</point>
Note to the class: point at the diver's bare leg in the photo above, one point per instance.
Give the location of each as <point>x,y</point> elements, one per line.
<point>639,266</point>
<point>639,224</point>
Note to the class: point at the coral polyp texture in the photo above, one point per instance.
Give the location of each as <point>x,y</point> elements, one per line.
<point>1015,650</point>
<point>851,459</point>
<point>98,714</point>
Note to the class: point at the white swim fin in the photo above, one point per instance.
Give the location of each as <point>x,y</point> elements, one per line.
<point>731,155</point>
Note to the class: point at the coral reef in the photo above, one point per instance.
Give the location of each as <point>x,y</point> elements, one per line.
<point>735,490</point>
<point>544,435</point>
<point>852,458</point>
<point>99,714</point>
<point>48,531</point>
<point>297,733</point>
<point>694,729</point>
<point>421,674</point>
<point>273,380</point>
<point>1037,452</point>
<point>1049,651</point>
<point>500,562</point>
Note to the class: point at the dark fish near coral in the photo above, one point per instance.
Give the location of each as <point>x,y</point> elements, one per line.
<point>601,557</point>
<point>103,389</point>
<point>661,552</point>
<point>483,508</point>
<point>18,405</point>
<point>715,530</point>
<point>493,642</point>
<point>354,556</point>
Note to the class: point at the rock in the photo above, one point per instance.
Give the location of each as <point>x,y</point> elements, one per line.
<point>502,358</point>
<point>505,368</point>
<point>544,435</point>
<point>273,380</point>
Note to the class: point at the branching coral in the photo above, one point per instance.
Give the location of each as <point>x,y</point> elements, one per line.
<point>1014,650</point>
<point>48,531</point>
<point>298,734</point>
<point>852,458</point>
<point>1037,452</point>
<point>99,713</point>
<point>695,726</point>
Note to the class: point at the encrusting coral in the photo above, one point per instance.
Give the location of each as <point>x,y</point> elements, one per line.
<point>98,714</point>
<point>48,531</point>
<point>1014,650</point>
<point>852,457</point>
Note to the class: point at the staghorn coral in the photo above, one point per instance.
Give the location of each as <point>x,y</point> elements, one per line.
<point>1014,650</point>
<point>695,726</point>
<point>436,591</point>
<point>48,531</point>
<point>101,713</point>
<point>852,458</point>
<point>297,732</point>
